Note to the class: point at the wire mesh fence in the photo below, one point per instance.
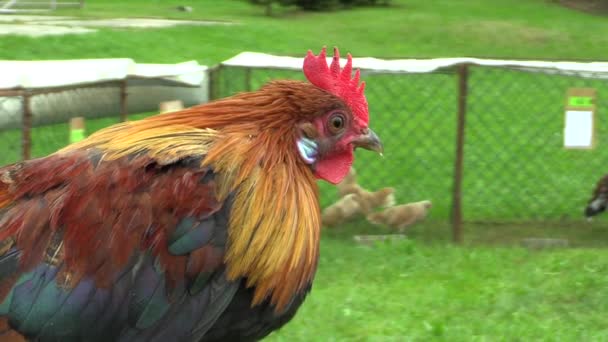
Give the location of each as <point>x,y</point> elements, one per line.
<point>51,132</point>
<point>34,123</point>
<point>515,167</point>
<point>10,137</point>
<point>414,114</point>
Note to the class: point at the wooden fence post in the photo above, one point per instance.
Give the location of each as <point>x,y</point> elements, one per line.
<point>123,100</point>
<point>247,79</point>
<point>77,129</point>
<point>463,75</point>
<point>26,127</point>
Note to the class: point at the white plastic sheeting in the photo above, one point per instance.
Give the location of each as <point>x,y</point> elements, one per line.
<point>261,60</point>
<point>147,86</point>
<point>46,74</point>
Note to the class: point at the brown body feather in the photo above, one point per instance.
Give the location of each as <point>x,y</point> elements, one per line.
<point>71,210</point>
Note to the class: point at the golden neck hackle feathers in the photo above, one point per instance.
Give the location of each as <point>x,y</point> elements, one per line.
<point>249,140</point>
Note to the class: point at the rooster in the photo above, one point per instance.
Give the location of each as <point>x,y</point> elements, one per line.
<point>599,200</point>
<point>196,225</point>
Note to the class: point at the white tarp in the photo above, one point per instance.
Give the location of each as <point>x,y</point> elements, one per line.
<point>261,60</point>
<point>45,74</point>
<point>187,73</point>
<point>147,86</point>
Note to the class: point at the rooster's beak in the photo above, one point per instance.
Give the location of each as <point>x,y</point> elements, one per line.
<point>369,140</point>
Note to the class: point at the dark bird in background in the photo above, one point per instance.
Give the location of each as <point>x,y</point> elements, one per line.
<point>598,202</point>
<point>196,225</point>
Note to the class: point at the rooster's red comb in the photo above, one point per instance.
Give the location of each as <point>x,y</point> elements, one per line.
<point>338,81</point>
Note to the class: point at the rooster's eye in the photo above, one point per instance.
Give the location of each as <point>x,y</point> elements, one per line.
<point>336,123</point>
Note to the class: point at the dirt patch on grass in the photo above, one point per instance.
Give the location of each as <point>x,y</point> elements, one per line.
<point>36,26</point>
<point>507,30</point>
<point>596,7</point>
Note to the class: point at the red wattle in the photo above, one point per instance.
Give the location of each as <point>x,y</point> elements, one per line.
<point>334,168</point>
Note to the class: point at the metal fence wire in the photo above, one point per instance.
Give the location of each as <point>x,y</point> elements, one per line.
<point>41,124</point>
<point>514,165</point>
<point>10,139</point>
<point>414,114</point>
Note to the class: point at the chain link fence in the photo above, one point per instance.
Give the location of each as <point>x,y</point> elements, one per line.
<point>514,165</point>
<point>35,123</point>
<point>414,114</point>
<point>515,168</point>
<point>51,132</point>
<point>10,137</point>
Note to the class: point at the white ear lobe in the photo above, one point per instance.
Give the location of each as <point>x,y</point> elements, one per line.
<point>308,150</point>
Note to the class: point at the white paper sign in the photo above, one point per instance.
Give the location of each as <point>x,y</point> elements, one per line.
<point>578,132</point>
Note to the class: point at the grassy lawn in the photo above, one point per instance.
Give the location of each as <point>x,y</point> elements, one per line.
<point>410,28</point>
<point>515,166</point>
<point>416,292</point>
<point>428,290</point>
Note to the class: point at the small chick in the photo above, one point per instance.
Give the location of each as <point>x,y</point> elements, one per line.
<point>349,184</point>
<point>368,200</point>
<point>401,216</point>
<point>346,208</point>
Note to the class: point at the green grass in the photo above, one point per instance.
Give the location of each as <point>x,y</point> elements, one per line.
<point>414,28</point>
<point>426,289</point>
<point>408,291</point>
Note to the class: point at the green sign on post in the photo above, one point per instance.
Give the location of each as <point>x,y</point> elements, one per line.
<point>581,101</point>
<point>77,129</point>
<point>580,120</point>
<point>76,135</point>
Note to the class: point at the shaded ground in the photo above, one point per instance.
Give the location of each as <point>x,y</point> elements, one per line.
<point>578,233</point>
<point>38,25</point>
<point>597,7</point>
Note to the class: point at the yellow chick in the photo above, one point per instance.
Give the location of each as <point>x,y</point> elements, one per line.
<point>349,184</point>
<point>401,216</point>
<point>370,200</point>
<point>346,208</point>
